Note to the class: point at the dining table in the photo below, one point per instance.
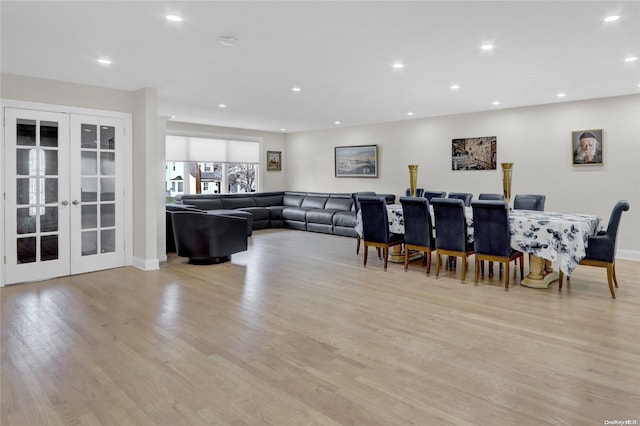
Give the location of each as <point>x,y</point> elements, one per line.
<point>547,236</point>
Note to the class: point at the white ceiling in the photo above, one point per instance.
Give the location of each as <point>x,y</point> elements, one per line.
<point>339,53</point>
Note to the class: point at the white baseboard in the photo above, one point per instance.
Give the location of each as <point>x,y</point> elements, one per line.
<point>162,258</point>
<point>628,255</point>
<point>146,264</point>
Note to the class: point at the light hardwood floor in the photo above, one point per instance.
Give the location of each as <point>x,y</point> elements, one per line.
<point>296,331</point>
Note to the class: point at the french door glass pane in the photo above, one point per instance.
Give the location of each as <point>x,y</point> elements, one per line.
<point>108,163</point>
<point>89,243</point>
<point>26,132</point>
<point>50,162</point>
<point>25,190</point>
<point>107,137</point>
<point>107,215</point>
<point>89,138</point>
<point>49,220</point>
<point>89,216</point>
<point>89,189</point>
<point>23,163</point>
<point>48,247</point>
<point>48,134</point>
<point>26,221</point>
<point>51,190</point>
<point>26,249</point>
<point>89,163</point>
<point>107,189</point>
<point>108,241</point>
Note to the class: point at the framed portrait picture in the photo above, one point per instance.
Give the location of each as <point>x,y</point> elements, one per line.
<point>474,153</point>
<point>356,161</point>
<point>274,161</point>
<point>586,147</point>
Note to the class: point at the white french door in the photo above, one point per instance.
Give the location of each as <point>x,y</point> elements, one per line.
<point>64,209</point>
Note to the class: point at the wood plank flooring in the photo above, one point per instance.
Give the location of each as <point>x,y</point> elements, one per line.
<point>296,331</point>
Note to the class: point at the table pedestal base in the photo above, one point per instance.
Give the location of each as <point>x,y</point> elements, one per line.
<point>396,255</point>
<point>541,275</point>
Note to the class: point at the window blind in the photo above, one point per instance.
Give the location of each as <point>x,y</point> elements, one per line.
<point>187,148</point>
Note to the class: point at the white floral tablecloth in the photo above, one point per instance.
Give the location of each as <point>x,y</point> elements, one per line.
<point>560,237</point>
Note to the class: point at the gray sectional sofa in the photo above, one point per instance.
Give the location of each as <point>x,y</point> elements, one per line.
<point>329,213</point>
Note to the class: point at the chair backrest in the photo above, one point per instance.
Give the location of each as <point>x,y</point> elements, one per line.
<point>356,202</point>
<point>434,194</point>
<point>464,196</point>
<point>603,247</point>
<point>491,227</point>
<point>498,197</point>
<point>450,224</point>
<point>375,219</point>
<point>418,229</point>
<point>529,202</point>
<point>419,192</point>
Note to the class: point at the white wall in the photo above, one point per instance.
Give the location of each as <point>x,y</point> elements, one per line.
<point>536,139</point>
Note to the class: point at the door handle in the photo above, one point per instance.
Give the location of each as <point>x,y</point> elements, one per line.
<point>64,203</point>
<point>75,202</point>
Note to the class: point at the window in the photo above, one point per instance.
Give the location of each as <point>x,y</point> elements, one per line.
<point>219,166</point>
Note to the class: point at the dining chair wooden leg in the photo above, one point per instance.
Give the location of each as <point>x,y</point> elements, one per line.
<point>610,279</point>
<point>385,253</point>
<point>378,251</point>
<point>438,264</point>
<point>506,276</point>
<point>357,244</point>
<point>406,259</point>
<point>615,279</point>
<point>464,270</point>
<point>521,268</point>
<point>428,253</point>
<point>477,270</point>
<point>560,278</point>
<point>366,253</point>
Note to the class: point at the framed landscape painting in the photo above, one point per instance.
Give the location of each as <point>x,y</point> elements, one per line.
<point>586,147</point>
<point>474,153</point>
<point>274,161</point>
<point>356,161</point>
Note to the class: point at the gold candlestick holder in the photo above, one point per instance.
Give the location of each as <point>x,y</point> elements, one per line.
<point>413,179</point>
<point>507,171</point>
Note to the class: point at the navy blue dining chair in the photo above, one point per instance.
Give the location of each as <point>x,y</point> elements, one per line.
<point>601,249</point>
<point>434,194</point>
<point>375,227</point>
<point>495,197</point>
<point>464,196</point>
<point>356,207</point>
<point>492,238</point>
<point>419,192</point>
<point>529,202</point>
<point>451,232</point>
<point>418,229</point>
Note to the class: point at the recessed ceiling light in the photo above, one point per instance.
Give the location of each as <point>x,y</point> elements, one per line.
<point>104,61</point>
<point>174,18</point>
<point>283,130</point>
<point>611,18</point>
<point>336,122</point>
<point>561,95</point>
<point>495,103</point>
<point>222,105</point>
<point>227,40</point>
<point>172,117</point>
<point>454,87</point>
<point>398,65</point>
<point>487,47</point>
<point>296,89</point>
<point>631,59</point>
<point>410,113</point>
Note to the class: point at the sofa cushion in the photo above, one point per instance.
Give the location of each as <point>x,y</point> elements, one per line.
<point>314,202</point>
<point>238,202</point>
<point>258,213</point>
<point>319,216</point>
<point>339,204</point>
<point>344,219</point>
<point>268,200</point>
<point>204,203</point>
<point>294,213</point>
<point>292,200</point>
<point>276,212</point>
